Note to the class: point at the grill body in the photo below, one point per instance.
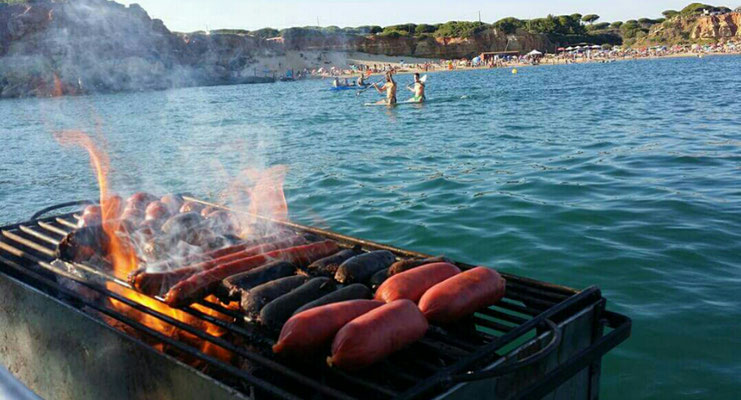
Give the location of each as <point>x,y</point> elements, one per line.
<point>61,346</point>
<point>61,353</point>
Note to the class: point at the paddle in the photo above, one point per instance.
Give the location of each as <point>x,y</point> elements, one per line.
<point>370,86</point>
<point>422,80</point>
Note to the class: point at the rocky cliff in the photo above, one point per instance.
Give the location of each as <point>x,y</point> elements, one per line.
<point>410,46</point>
<point>695,29</point>
<point>717,27</point>
<point>450,48</point>
<point>82,46</point>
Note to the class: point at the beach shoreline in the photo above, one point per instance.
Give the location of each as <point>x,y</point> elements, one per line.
<point>345,62</point>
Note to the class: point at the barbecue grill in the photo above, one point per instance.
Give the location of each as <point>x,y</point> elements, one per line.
<point>63,339</point>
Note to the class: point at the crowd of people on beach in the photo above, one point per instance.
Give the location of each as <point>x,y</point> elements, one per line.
<point>568,55</point>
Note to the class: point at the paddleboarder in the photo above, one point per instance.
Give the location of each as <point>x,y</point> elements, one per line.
<point>390,88</point>
<point>418,89</point>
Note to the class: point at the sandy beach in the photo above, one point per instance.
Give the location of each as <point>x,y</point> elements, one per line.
<point>325,64</point>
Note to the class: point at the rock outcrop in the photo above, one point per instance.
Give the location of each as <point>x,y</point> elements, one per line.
<point>695,29</point>
<point>64,47</point>
<point>717,27</point>
<point>451,48</point>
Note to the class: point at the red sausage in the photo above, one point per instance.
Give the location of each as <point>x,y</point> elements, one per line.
<point>90,216</point>
<point>462,295</point>
<point>309,331</point>
<point>133,215</point>
<point>139,200</point>
<point>153,283</point>
<point>156,210</point>
<point>377,334</point>
<point>412,284</point>
<point>203,283</point>
<point>241,246</point>
<point>173,202</point>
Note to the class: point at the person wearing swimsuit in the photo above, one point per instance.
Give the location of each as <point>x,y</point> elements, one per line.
<point>418,90</point>
<point>390,88</point>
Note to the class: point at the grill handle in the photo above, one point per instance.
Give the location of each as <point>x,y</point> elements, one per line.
<point>507,368</point>
<point>40,213</point>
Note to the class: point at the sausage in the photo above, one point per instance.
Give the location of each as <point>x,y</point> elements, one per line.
<point>243,245</point>
<point>173,202</point>
<point>83,243</point>
<point>156,210</point>
<point>310,331</point>
<point>405,265</point>
<point>149,228</point>
<point>378,278</point>
<point>221,221</point>
<point>462,295</point>
<point>377,334</point>
<point>248,252</point>
<point>92,209</point>
<point>412,284</point>
<point>203,283</point>
<point>191,206</point>
<point>139,200</point>
<point>327,266</point>
<point>232,286</point>
<point>147,282</point>
<point>361,267</point>
<point>208,210</point>
<point>278,311</point>
<point>133,215</point>
<point>180,224</point>
<point>356,291</point>
<point>91,215</point>
<point>254,300</point>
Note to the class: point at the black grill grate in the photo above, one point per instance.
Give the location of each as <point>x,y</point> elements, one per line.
<point>424,369</point>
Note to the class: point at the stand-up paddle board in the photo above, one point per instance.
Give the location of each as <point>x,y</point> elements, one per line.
<point>401,103</point>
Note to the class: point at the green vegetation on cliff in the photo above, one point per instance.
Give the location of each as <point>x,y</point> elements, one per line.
<point>561,29</point>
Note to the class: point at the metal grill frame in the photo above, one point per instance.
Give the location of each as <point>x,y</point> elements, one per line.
<point>560,304</point>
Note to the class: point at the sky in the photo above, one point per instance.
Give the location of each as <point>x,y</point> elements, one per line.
<point>192,15</point>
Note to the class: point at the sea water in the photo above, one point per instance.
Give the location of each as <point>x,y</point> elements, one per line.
<point>623,175</point>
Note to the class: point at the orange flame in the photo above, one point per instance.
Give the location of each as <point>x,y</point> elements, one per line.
<point>123,256</point>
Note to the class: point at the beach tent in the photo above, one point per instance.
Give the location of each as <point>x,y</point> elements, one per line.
<point>534,53</point>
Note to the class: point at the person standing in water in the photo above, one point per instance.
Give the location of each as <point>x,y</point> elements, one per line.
<point>361,80</point>
<point>418,90</point>
<point>390,88</point>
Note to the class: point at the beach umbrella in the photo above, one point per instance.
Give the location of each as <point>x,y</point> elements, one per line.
<point>560,49</point>
<point>596,46</point>
<point>569,48</point>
